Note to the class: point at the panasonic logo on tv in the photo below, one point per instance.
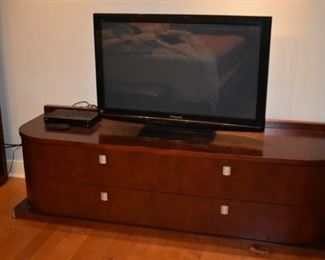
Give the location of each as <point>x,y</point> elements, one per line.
<point>175,117</point>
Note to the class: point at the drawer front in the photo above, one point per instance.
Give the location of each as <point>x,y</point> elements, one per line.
<point>243,180</point>
<point>294,225</point>
<point>268,183</point>
<point>267,222</point>
<point>69,199</point>
<point>64,163</point>
<point>208,176</point>
<point>97,203</point>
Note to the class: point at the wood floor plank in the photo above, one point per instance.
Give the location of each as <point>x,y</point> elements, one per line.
<point>144,239</point>
<point>16,237</point>
<point>122,245</point>
<point>34,244</point>
<point>62,244</point>
<point>95,245</point>
<point>26,239</point>
<point>156,248</point>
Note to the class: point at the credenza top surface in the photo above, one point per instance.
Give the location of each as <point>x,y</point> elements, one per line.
<point>287,141</point>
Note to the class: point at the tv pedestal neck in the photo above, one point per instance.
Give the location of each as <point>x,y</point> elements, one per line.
<point>177,133</point>
<point>258,186</point>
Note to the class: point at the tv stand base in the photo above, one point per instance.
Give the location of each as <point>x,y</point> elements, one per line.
<point>191,135</point>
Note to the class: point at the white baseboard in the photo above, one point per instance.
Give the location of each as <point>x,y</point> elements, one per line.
<point>17,169</point>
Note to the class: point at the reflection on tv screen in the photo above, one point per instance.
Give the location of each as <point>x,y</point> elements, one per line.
<point>198,69</point>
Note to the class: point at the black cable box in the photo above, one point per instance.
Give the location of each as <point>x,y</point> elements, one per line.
<point>72,117</point>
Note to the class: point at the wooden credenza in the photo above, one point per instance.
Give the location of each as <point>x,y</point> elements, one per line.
<point>263,186</point>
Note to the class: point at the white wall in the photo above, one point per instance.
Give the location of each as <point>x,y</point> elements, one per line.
<point>48,52</point>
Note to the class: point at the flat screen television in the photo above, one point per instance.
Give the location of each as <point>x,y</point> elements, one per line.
<point>183,74</point>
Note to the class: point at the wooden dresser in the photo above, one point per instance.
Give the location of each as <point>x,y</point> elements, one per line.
<point>263,186</point>
<point>3,165</point>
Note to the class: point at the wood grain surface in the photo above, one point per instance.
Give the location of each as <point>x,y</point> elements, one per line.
<point>282,141</point>
<point>275,192</point>
<point>75,239</point>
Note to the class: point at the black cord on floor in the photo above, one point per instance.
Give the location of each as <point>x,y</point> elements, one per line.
<point>15,148</point>
<point>11,145</point>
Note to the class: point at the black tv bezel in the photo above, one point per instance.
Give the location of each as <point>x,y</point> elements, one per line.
<point>196,121</point>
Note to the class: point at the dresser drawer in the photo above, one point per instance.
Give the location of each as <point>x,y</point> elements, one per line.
<point>258,221</point>
<point>267,222</point>
<point>65,163</point>
<point>98,203</point>
<point>245,180</point>
<point>269,183</point>
<point>69,199</point>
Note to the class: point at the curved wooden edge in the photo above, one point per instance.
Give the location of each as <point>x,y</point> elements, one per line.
<point>221,155</point>
<point>298,125</point>
<point>249,145</point>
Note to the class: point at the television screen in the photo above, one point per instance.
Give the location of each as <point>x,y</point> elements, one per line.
<point>207,70</point>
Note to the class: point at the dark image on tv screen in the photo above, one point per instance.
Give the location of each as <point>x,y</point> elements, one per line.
<point>194,69</point>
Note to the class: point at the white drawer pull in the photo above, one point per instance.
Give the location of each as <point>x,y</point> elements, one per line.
<point>226,170</point>
<point>224,209</point>
<point>104,196</point>
<point>102,159</point>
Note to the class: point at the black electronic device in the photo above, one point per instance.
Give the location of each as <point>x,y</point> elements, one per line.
<point>57,126</point>
<point>71,117</point>
<point>194,71</point>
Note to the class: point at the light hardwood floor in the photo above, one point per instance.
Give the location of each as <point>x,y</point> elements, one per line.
<point>26,239</point>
